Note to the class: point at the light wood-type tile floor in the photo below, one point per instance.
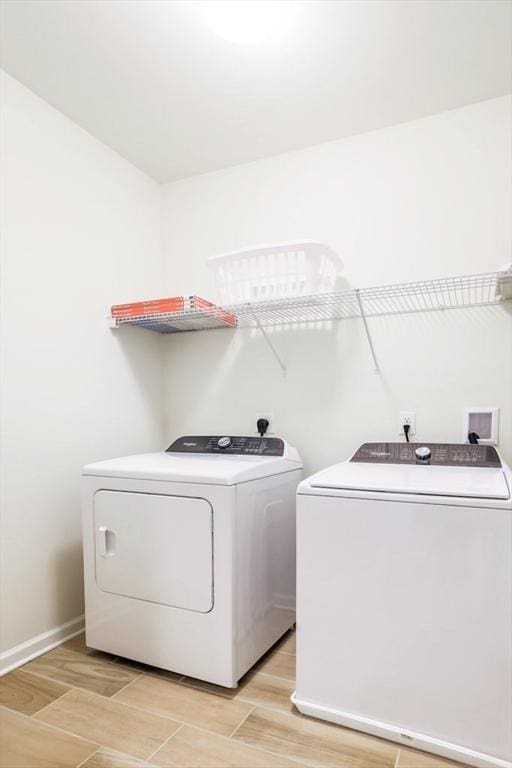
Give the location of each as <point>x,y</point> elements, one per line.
<point>75,707</point>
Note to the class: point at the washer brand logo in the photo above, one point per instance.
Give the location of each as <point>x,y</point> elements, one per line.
<point>190,445</point>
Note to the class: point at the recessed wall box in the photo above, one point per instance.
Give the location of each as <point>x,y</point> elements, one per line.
<point>483,421</point>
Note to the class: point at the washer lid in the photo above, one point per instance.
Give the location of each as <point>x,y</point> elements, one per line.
<point>195,468</point>
<point>478,483</point>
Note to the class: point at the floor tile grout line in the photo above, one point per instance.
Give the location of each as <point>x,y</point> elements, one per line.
<point>201,685</point>
<point>255,704</point>
<point>179,678</point>
<point>397,758</point>
<point>148,759</point>
<point>91,653</point>
<point>241,722</point>
<point>269,674</point>
<point>116,701</point>
<point>57,728</point>
<point>51,679</point>
<point>243,700</point>
<point>261,667</point>
<point>285,679</point>
<point>260,748</point>
<point>150,712</point>
<point>79,654</point>
<point>87,758</point>
<point>36,674</point>
<point>80,687</point>
<point>124,686</point>
<point>113,697</point>
<point>59,698</point>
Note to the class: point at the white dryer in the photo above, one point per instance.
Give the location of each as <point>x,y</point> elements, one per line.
<point>189,554</point>
<point>404,598</point>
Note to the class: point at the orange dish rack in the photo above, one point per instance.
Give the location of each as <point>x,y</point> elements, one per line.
<point>173,315</point>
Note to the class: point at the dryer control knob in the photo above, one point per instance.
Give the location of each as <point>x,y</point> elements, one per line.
<point>423,453</point>
<point>224,442</point>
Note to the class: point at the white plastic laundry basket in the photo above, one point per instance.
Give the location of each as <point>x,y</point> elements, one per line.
<point>504,286</point>
<point>276,271</point>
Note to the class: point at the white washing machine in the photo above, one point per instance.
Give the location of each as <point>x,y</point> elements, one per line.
<point>189,554</point>
<point>404,598</point>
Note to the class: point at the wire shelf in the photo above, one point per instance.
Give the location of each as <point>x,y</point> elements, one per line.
<point>404,298</point>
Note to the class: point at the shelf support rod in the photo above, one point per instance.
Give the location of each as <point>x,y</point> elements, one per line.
<point>271,346</point>
<point>366,328</point>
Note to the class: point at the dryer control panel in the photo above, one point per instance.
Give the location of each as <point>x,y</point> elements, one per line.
<point>435,454</point>
<point>227,444</point>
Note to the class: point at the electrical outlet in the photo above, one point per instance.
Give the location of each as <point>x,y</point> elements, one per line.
<point>264,415</point>
<point>407,417</point>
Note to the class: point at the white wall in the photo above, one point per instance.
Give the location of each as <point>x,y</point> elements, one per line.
<point>81,228</point>
<point>421,200</point>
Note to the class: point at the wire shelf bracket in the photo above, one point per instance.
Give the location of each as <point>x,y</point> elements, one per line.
<point>367,330</point>
<point>270,345</point>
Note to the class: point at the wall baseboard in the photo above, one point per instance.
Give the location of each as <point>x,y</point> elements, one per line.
<point>403,736</point>
<point>34,647</point>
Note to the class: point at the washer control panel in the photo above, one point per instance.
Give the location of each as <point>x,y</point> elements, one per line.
<point>438,454</point>
<point>229,444</point>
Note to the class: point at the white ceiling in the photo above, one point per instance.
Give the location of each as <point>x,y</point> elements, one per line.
<point>154,82</point>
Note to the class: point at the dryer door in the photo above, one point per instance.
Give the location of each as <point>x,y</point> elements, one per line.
<point>155,548</point>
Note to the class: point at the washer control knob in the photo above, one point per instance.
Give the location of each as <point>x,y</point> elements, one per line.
<point>224,442</point>
<point>423,453</point>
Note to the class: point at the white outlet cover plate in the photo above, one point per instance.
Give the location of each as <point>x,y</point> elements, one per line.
<point>407,417</point>
<point>264,415</point>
